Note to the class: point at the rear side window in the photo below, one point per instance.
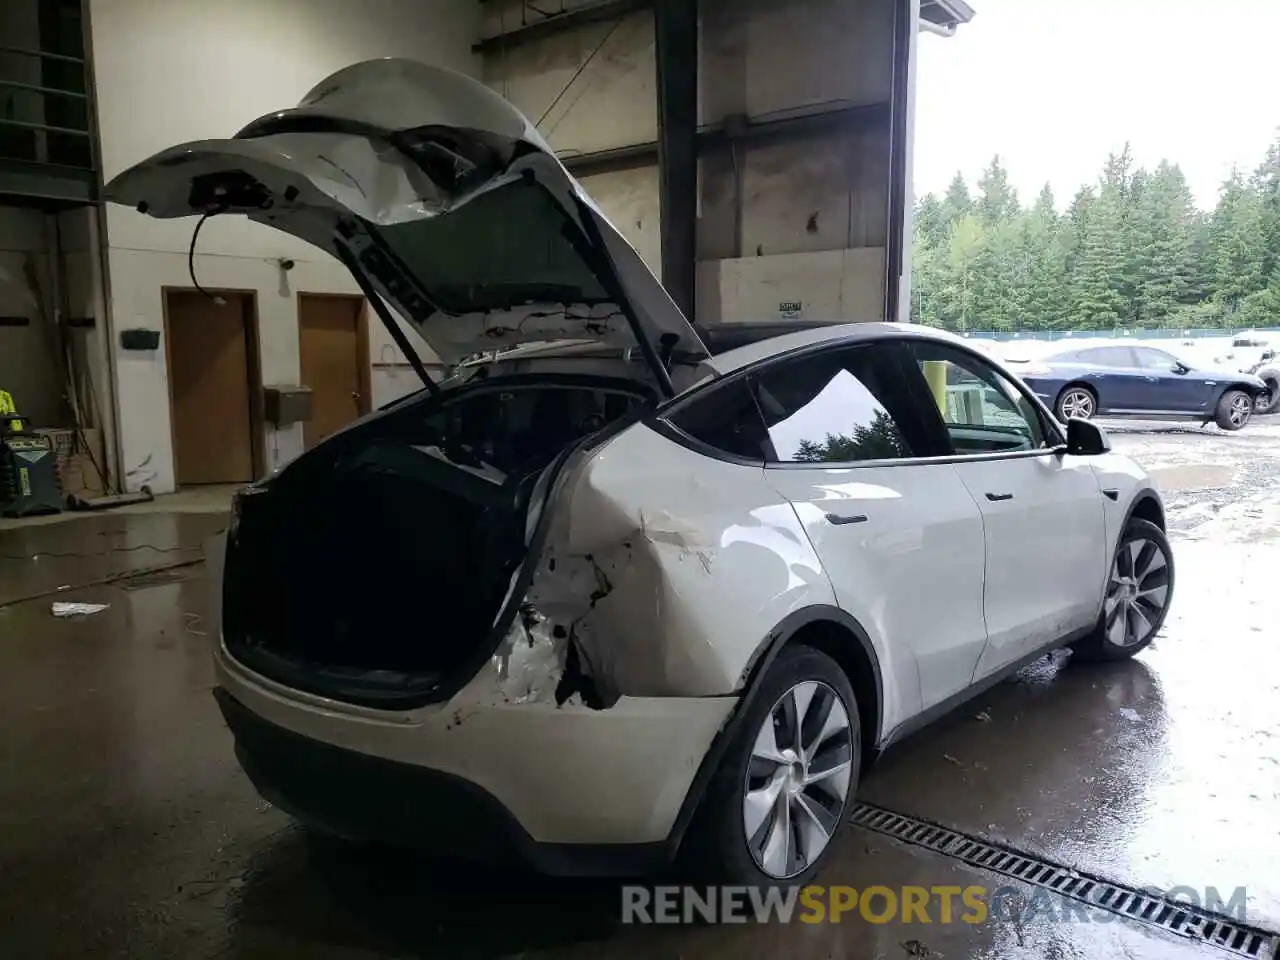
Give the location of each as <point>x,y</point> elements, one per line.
<point>832,407</point>
<point>1106,356</point>
<point>727,419</point>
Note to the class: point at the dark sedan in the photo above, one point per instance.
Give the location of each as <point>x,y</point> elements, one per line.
<point>1142,382</point>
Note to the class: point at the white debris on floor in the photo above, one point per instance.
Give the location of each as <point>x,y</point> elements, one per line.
<point>77,609</point>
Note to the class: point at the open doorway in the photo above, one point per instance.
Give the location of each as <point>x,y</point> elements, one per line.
<point>333,340</point>
<point>215,386</point>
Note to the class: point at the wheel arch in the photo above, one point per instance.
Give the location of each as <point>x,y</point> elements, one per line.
<point>841,637</point>
<point>1147,506</point>
<point>1246,388</point>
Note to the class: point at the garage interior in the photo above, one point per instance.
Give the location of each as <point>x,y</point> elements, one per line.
<point>757,154</point>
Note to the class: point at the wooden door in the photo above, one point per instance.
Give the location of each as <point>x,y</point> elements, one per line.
<point>335,361</point>
<point>211,373</point>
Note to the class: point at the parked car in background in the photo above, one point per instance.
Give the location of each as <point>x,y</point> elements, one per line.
<point>1255,353</point>
<point>1141,381</point>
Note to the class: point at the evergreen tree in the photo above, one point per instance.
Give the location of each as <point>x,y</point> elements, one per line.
<point>1161,255</point>
<point>1131,251</point>
<point>997,201</point>
<point>1236,251</point>
<point>956,203</point>
<point>931,220</point>
<point>1266,184</point>
<point>1044,254</point>
<point>1094,269</point>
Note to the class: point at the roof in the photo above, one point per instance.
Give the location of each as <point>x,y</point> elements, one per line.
<point>946,13</point>
<point>822,333</point>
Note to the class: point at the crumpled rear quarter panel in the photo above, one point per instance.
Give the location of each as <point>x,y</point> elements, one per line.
<point>690,561</point>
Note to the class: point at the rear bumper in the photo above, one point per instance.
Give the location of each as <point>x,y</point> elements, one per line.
<point>360,797</point>
<point>569,790</point>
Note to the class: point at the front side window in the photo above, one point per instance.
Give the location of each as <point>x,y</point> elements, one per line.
<point>1151,359</point>
<point>832,407</point>
<point>982,410</point>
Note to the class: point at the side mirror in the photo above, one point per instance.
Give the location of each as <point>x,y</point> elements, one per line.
<point>1180,368</point>
<point>1086,439</point>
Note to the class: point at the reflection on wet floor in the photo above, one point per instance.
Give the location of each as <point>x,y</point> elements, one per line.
<point>126,829</point>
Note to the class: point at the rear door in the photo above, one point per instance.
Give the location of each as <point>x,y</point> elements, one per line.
<point>1114,375</point>
<point>1042,510</point>
<point>900,540</point>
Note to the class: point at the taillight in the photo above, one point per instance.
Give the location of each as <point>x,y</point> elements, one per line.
<point>238,506</point>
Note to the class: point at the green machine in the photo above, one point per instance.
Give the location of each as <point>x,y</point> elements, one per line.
<point>28,471</point>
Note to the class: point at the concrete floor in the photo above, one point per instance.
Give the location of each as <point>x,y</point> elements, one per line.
<point>126,829</point>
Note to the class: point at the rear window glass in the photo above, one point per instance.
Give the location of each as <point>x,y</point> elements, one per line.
<point>505,247</point>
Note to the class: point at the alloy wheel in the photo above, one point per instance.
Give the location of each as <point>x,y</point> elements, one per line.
<point>1137,592</point>
<point>797,779</point>
<point>1077,403</point>
<point>1241,409</point>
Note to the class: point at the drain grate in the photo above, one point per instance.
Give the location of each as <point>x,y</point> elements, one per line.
<point>1128,902</point>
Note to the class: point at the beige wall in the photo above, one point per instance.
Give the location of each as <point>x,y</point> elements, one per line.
<point>808,215</point>
<point>168,72</point>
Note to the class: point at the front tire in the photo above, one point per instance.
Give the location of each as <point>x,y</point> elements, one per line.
<point>786,781</point>
<point>1235,408</point>
<point>1272,401</point>
<point>1076,401</point>
<point>1137,599</point>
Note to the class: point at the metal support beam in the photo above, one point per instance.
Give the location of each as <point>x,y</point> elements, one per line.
<point>594,12</point>
<point>900,119</point>
<point>720,135</point>
<point>676,60</point>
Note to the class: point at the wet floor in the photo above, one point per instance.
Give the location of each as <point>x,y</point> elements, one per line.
<point>126,829</point>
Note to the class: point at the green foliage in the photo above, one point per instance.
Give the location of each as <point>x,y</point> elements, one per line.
<point>878,440</point>
<point>1130,251</point>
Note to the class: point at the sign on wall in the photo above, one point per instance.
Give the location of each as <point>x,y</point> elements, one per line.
<point>790,309</point>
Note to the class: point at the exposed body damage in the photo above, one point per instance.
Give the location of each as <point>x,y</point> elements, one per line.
<point>637,591</point>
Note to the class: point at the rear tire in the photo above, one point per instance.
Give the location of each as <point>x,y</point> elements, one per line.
<point>1076,400</point>
<point>785,784</point>
<point>1234,410</point>
<point>1139,589</point>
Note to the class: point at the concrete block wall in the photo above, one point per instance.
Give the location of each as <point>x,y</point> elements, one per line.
<point>802,220</point>
<point>171,72</point>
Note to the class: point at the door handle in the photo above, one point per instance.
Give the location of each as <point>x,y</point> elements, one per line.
<point>840,521</point>
<point>997,497</point>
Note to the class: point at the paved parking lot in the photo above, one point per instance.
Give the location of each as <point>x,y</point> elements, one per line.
<point>126,829</point>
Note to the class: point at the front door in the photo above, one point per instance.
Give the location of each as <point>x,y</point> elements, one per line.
<point>1046,553</point>
<point>901,541</point>
<point>1174,387</point>
<point>335,361</point>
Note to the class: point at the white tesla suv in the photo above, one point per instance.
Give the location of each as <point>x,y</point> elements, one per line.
<point>613,594</point>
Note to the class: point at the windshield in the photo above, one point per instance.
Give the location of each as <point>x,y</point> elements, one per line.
<point>503,248</point>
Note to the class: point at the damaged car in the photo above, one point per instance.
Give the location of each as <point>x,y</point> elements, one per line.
<point>618,592</point>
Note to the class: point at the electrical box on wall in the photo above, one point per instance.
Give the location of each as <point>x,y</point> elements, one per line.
<point>283,405</point>
<point>140,339</point>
